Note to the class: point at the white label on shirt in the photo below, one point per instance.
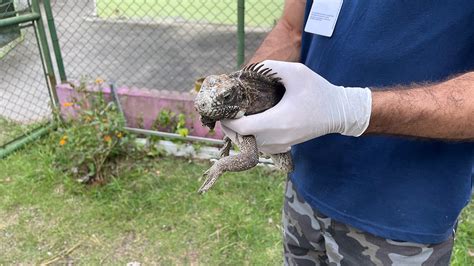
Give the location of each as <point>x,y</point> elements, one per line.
<point>323,16</point>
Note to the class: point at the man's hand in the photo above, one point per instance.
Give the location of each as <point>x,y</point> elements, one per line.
<point>311,107</point>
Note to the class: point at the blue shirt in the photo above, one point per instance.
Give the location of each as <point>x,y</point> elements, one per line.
<point>399,188</point>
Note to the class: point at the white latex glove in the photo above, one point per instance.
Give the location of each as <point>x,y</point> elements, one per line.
<point>311,107</point>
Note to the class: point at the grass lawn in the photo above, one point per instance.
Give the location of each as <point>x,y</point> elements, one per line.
<point>464,246</point>
<point>261,13</point>
<point>10,130</point>
<point>150,214</point>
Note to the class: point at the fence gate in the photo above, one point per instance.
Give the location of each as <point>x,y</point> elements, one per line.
<point>26,73</point>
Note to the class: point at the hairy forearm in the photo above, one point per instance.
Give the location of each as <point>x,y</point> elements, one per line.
<point>442,111</point>
<point>283,43</point>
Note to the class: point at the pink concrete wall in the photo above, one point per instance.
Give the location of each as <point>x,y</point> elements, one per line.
<point>144,104</point>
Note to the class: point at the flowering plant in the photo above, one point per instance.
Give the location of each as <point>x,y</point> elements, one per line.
<point>88,144</point>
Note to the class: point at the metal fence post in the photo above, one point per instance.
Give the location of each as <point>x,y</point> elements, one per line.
<point>54,40</point>
<point>45,53</point>
<point>240,32</point>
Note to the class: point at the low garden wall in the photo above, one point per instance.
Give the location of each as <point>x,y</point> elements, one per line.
<point>142,107</point>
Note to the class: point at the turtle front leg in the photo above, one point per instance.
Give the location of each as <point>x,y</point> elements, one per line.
<point>246,159</point>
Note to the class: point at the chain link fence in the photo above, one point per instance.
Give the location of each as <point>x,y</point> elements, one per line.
<point>153,44</point>
<point>157,44</point>
<point>24,98</point>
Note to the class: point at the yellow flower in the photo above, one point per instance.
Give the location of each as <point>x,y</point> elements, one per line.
<point>63,141</point>
<point>119,135</point>
<point>68,104</point>
<point>107,138</point>
<point>99,81</point>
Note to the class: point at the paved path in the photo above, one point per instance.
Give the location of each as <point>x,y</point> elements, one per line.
<point>169,54</point>
<point>23,93</point>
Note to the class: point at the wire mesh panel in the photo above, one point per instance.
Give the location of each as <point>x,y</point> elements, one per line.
<point>157,44</point>
<point>24,97</point>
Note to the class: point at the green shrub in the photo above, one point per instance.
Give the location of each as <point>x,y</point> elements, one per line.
<point>87,146</point>
<point>168,121</point>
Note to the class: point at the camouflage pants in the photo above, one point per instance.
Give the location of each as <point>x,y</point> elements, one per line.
<point>310,238</point>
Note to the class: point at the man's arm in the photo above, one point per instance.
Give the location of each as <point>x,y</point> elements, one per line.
<point>284,41</point>
<point>443,111</point>
<point>313,107</point>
